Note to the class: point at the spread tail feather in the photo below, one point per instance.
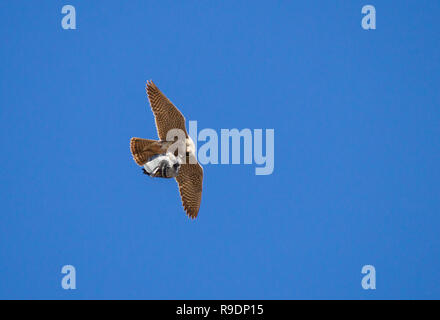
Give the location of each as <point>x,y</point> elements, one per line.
<point>144,149</point>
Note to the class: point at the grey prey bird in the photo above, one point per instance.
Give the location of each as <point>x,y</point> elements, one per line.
<point>158,162</point>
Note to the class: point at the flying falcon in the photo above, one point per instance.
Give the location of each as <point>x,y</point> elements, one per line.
<point>158,161</point>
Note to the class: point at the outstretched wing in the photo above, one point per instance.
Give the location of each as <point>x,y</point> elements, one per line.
<point>190,181</point>
<point>167,116</point>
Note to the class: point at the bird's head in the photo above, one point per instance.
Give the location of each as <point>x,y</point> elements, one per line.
<point>190,147</point>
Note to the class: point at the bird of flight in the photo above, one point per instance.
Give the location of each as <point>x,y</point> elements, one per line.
<point>159,160</point>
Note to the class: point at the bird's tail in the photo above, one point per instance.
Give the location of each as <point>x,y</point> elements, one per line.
<point>144,149</point>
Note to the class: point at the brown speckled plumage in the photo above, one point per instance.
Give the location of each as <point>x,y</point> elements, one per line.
<point>167,117</point>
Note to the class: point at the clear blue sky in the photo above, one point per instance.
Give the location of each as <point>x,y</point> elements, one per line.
<point>356,118</point>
